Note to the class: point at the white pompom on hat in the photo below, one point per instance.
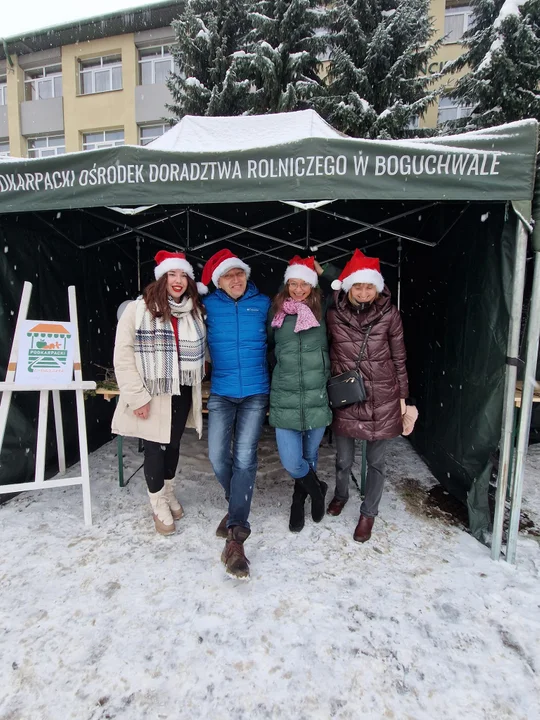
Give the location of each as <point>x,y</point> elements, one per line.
<point>302,269</point>
<point>219,264</point>
<point>360,269</point>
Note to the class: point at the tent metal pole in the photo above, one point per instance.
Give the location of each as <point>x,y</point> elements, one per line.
<point>399,251</point>
<point>308,227</point>
<point>518,287</point>
<point>529,382</point>
<point>138,240</point>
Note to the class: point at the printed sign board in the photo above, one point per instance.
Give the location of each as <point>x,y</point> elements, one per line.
<point>45,352</point>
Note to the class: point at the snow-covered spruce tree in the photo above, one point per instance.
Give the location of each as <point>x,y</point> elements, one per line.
<point>378,49</point>
<point>503,60</point>
<point>208,32</point>
<point>281,59</point>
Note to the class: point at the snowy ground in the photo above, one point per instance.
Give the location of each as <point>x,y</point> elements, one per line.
<point>115,621</point>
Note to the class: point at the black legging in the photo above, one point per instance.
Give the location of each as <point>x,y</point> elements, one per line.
<point>160,460</point>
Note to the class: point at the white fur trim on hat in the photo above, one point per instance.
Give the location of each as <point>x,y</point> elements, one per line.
<point>363,276</point>
<point>302,272</point>
<point>173,264</point>
<point>227,265</point>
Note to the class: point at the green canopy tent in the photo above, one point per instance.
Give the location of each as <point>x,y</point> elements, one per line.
<point>457,210</point>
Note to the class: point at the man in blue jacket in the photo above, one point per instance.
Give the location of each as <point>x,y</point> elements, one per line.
<point>236,333</point>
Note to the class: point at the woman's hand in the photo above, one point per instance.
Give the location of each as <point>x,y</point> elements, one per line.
<point>143,412</point>
<point>318,268</point>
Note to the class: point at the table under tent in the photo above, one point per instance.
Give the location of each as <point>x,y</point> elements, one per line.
<point>449,217</point>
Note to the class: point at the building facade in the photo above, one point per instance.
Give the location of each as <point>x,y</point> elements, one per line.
<point>102,82</point>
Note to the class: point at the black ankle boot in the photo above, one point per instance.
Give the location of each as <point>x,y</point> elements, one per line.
<point>296,520</point>
<point>316,489</point>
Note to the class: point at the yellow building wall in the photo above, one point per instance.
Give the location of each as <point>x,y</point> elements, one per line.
<point>100,111</point>
<point>447,52</point>
<point>15,95</point>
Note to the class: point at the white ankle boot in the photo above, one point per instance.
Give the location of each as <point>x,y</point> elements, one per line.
<point>163,518</point>
<point>177,511</point>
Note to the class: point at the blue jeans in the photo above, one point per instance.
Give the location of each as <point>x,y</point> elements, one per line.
<point>299,450</point>
<point>236,470</point>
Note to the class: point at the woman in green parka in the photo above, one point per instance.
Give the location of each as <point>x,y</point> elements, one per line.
<point>298,400</point>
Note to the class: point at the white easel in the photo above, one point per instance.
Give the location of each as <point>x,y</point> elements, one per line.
<point>78,385</point>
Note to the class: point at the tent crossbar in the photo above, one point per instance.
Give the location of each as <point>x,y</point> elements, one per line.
<point>128,229</point>
<point>58,232</point>
<point>364,247</point>
<point>242,230</point>
<point>232,235</point>
<point>376,226</point>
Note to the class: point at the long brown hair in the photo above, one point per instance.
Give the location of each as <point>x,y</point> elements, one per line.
<point>156,298</point>
<point>313,300</point>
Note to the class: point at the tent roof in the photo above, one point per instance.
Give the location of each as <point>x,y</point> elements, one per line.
<point>291,156</point>
<point>243,132</point>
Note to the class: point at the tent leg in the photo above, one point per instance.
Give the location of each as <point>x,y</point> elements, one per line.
<point>529,381</point>
<point>518,286</point>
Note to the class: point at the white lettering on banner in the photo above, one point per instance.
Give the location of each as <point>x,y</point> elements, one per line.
<point>448,163</point>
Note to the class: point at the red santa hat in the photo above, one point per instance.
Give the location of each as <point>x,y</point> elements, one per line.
<point>302,269</point>
<point>360,269</point>
<point>219,264</point>
<point>166,261</point>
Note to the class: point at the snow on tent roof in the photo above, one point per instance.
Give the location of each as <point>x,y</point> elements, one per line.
<point>243,132</point>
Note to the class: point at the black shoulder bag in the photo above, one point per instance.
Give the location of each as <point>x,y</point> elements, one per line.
<point>348,388</point>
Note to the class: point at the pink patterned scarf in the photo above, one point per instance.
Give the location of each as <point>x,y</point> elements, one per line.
<point>305,318</point>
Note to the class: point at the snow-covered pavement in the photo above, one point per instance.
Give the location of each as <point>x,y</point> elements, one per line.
<point>114,621</point>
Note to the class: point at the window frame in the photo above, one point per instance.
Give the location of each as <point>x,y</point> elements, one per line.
<point>460,111</point>
<point>165,127</point>
<point>467,12</point>
<point>98,145</point>
<point>44,151</point>
<point>4,153</point>
<point>3,91</point>
<point>100,67</point>
<point>151,60</point>
<point>44,77</point>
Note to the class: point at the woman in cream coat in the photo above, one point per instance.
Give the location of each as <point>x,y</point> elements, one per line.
<point>159,367</point>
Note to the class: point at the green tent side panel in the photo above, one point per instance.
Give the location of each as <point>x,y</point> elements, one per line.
<point>103,278</point>
<point>456,300</point>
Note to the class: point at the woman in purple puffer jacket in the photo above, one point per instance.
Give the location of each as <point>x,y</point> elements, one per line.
<point>362,305</point>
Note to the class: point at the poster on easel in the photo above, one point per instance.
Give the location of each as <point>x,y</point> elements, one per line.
<point>46,351</point>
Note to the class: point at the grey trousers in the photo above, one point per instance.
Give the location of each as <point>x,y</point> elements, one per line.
<point>375,453</point>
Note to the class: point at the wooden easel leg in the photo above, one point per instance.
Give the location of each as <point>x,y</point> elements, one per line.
<point>41,447</point>
<point>59,431</point>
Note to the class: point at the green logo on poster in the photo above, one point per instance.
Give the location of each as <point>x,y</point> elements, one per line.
<point>47,347</point>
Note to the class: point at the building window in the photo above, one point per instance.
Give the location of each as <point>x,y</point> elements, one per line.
<point>148,133</point>
<point>3,91</point>
<point>102,139</point>
<point>101,74</point>
<point>43,83</point>
<point>4,148</point>
<point>456,21</point>
<point>46,146</point>
<point>452,110</point>
<point>155,64</point>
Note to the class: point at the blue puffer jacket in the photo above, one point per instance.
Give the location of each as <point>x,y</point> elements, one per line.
<point>236,332</point>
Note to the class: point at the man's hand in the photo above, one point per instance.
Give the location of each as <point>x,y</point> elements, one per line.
<point>143,412</point>
<point>318,268</point>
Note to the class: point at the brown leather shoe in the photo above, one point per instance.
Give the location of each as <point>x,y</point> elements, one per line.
<point>233,557</point>
<point>362,532</point>
<point>335,506</point>
<point>221,530</point>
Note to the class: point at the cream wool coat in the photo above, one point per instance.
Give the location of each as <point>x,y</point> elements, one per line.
<point>133,394</point>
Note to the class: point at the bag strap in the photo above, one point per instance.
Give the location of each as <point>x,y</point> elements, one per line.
<point>364,345</point>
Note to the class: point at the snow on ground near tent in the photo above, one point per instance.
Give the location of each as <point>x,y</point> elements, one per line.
<point>114,621</point>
